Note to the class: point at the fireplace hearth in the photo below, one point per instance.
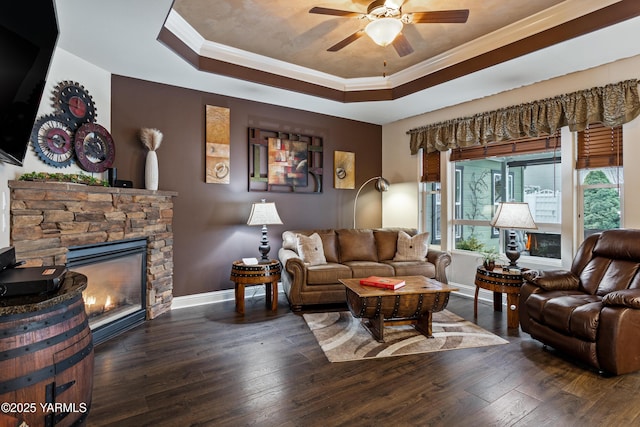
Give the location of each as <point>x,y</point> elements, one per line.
<point>116,283</point>
<point>49,218</point>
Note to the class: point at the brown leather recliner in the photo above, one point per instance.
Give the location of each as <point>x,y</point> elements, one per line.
<point>591,312</point>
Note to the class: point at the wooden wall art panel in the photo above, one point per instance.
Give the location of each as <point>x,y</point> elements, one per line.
<point>217,145</point>
<point>344,170</point>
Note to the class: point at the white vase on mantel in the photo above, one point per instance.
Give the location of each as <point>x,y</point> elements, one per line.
<point>151,171</point>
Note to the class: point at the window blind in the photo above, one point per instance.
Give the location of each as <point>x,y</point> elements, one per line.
<point>500,149</point>
<point>599,146</point>
<point>430,166</point>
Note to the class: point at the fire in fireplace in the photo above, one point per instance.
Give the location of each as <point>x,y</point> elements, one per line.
<point>116,282</point>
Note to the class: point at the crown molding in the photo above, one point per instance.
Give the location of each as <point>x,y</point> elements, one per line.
<point>262,69</point>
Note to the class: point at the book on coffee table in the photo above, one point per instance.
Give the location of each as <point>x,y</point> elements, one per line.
<point>383,282</point>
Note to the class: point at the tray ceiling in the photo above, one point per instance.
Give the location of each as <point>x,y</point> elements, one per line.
<point>286,31</point>
<point>262,40</point>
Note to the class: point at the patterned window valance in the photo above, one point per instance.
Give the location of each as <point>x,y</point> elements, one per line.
<point>612,105</point>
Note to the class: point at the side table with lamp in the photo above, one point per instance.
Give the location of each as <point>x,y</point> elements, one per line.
<point>251,272</point>
<point>506,279</point>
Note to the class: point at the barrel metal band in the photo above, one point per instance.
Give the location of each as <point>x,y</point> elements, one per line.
<point>45,343</point>
<point>419,307</point>
<point>46,372</point>
<point>436,302</point>
<point>45,323</point>
<point>378,306</point>
<point>396,307</point>
<point>363,309</point>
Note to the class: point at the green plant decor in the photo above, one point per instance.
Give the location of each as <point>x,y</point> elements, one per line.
<point>490,255</point>
<point>63,177</point>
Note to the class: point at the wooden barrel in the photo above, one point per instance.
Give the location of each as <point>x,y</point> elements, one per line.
<point>396,305</point>
<point>499,280</point>
<point>255,274</point>
<point>46,358</point>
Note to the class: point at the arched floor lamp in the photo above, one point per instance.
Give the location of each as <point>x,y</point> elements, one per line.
<point>381,185</point>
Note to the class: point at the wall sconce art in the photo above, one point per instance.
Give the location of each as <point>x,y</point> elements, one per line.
<point>217,145</point>
<point>344,170</point>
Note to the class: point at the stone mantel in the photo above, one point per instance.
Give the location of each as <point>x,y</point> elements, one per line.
<point>69,186</point>
<point>49,217</point>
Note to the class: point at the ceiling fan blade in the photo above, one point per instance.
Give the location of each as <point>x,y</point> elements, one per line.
<point>333,12</point>
<point>442,16</point>
<point>353,37</point>
<point>402,45</point>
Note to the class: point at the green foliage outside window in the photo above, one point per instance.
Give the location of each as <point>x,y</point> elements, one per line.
<point>471,243</point>
<point>601,205</point>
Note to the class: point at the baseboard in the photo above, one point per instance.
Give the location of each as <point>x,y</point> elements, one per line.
<point>217,296</point>
<point>468,291</point>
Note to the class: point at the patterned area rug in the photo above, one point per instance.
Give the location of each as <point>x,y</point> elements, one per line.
<point>344,338</point>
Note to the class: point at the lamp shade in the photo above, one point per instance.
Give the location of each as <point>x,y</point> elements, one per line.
<point>264,214</point>
<point>513,215</point>
<point>384,30</point>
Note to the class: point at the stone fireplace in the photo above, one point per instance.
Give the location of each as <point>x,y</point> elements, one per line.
<point>48,218</point>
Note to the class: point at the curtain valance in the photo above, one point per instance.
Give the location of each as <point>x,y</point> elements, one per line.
<point>612,105</point>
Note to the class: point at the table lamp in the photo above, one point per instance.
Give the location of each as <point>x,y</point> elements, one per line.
<point>511,216</point>
<point>264,214</point>
<point>381,185</point>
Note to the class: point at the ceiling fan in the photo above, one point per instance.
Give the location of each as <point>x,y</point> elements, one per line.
<point>386,21</point>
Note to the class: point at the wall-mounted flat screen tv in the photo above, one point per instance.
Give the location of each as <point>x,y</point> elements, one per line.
<point>28,35</point>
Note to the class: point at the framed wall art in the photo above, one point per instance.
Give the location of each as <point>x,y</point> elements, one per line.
<point>284,161</point>
<point>217,145</point>
<point>344,170</point>
<point>288,163</point>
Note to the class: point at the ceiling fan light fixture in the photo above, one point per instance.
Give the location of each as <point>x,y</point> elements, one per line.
<point>393,4</point>
<point>384,30</point>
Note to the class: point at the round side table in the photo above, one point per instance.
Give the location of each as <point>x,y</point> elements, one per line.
<point>500,281</point>
<point>267,274</point>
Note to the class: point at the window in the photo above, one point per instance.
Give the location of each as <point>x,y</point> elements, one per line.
<point>600,199</point>
<point>532,178</point>
<point>431,195</point>
<point>599,161</point>
<point>432,210</point>
<point>457,209</point>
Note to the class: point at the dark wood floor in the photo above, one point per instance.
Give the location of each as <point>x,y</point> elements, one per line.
<point>208,366</point>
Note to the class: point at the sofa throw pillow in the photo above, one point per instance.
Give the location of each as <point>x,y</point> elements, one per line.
<point>330,244</point>
<point>412,248</point>
<point>387,243</point>
<point>290,240</point>
<point>357,245</point>
<point>310,249</point>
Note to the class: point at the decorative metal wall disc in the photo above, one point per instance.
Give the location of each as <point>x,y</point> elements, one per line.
<point>94,147</point>
<point>73,101</point>
<point>52,140</point>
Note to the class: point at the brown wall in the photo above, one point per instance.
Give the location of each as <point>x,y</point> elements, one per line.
<point>210,228</point>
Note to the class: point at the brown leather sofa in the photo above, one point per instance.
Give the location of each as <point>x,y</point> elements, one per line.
<point>349,253</point>
<point>592,312</point>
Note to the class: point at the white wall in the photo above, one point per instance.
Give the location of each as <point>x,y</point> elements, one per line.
<point>97,82</point>
<point>400,167</point>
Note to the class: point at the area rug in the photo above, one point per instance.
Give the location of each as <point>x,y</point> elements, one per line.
<point>343,337</point>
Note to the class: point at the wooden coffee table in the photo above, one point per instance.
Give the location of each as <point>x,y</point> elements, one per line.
<point>413,304</point>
